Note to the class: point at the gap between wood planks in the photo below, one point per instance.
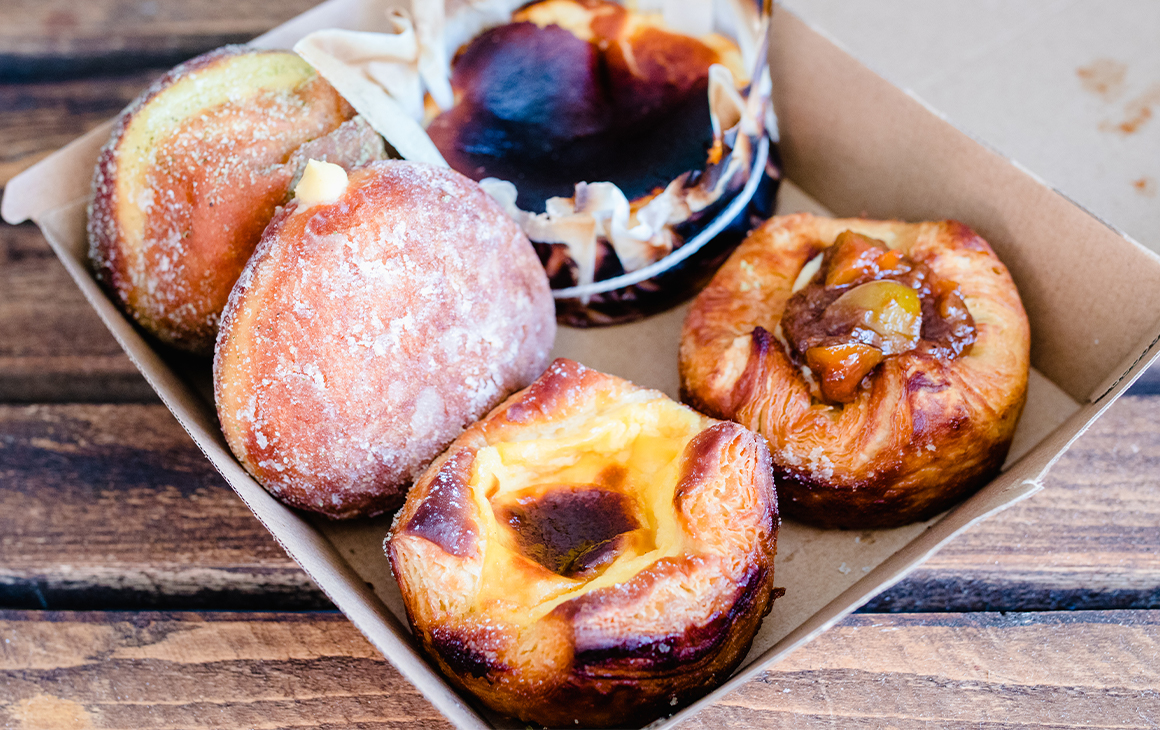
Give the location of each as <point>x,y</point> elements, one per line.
<point>228,670</point>
<point>112,506</point>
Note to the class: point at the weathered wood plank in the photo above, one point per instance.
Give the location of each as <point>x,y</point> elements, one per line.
<point>1058,670</point>
<point>83,670</point>
<point>52,345</point>
<point>113,506</point>
<point>1043,670</point>
<point>61,39</point>
<point>37,118</point>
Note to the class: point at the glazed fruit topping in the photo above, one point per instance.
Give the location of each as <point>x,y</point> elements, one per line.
<point>868,302</point>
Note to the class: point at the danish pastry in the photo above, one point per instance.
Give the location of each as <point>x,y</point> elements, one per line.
<point>192,174</point>
<point>591,553</point>
<point>379,316</point>
<point>885,362</point>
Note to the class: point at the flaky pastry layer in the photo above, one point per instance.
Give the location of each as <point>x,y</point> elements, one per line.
<point>926,433</point>
<point>667,595</point>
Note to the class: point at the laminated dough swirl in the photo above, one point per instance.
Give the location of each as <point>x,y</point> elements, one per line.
<point>591,553</point>
<point>192,174</point>
<point>885,362</point>
<point>367,332</point>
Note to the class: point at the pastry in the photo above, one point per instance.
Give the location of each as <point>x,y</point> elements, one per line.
<point>591,553</point>
<point>612,139</point>
<point>885,362</point>
<point>192,174</point>
<point>379,316</point>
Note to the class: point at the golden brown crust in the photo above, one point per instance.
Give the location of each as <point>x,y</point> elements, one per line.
<point>365,334</point>
<point>188,181</point>
<point>663,625</point>
<point>925,434</point>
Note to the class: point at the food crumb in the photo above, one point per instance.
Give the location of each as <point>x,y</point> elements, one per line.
<point>844,569</point>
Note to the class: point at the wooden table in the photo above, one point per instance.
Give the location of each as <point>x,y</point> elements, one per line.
<point>137,591</point>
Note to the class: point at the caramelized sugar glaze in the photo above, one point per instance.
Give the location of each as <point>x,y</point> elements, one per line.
<point>868,302</point>
<point>590,553</point>
<point>888,380</point>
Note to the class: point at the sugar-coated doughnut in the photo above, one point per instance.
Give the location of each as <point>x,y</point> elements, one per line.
<point>367,332</point>
<point>885,362</point>
<point>590,554</point>
<point>192,174</point>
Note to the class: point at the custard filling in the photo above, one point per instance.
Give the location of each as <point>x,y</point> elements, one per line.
<point>571,510</point>
<point>865,302</point>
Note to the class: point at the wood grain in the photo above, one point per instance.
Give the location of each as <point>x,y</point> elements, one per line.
<point>84,670</point>
<point>38,118</point>
<point>149,670</point>
<point>52,345</point>
<point>1041,670</point>
<point>113,506</point>
<point>63,39</point>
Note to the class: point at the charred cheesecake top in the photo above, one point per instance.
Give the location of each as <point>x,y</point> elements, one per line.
<point>581,90</point>
<point>591,552</point>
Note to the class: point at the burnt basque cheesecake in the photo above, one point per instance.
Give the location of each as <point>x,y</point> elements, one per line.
<point>616,140</point>
<point>591,553</point>
<point>581,90</point>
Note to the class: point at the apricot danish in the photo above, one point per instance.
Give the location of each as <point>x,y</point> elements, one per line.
<point>885,362</point>
<point>591,553</point>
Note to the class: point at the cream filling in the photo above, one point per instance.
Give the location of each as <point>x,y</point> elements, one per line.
<point>322,183</point>
<point>646,439</point>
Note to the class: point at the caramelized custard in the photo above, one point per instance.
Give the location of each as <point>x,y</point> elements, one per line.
<point>578,90</point>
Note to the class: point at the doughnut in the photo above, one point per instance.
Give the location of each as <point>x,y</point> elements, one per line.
<point>378,317</point>
<point>192,174</point>
<point>885,362</point>
<point>581,90</point>
<point>591,553</point>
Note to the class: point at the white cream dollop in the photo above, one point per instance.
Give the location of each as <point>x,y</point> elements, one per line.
<point>321,183</point>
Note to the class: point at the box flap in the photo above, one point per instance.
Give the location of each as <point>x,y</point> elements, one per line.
<point>861,146</point>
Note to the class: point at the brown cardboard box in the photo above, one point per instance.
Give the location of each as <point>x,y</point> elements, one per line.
<point>853,144</point>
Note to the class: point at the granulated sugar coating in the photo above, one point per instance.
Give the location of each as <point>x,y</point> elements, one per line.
<point>365,335</point>
<point>193,172</point>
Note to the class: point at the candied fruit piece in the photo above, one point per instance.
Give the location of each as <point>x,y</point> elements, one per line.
<point>840,368</point>
<point>891,309</point>
<point>855,257</point>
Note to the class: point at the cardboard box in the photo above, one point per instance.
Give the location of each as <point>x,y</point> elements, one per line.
<point>853,144</point>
